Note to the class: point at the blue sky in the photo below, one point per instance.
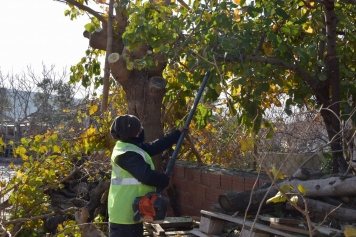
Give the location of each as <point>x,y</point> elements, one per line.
<point>36,31</point>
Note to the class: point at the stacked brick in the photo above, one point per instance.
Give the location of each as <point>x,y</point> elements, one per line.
<point>198,188</point>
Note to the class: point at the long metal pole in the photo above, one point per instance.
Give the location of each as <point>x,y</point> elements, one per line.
<point>187,122</point>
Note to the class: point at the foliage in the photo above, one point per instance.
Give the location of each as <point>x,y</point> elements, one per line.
<point>87,71</point>
<point>258,52</point>
<point>50,157</point>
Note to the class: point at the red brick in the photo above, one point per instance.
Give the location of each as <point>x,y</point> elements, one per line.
<point>201,191</point>
<point>178,171</point>
<point>180,198</point>
<point>206,205</point>
<point>249,183</point>
<point>186,210</point>
<point>238,183</point>
<point>188,175</point>
<point>215,180</point>
<point>205,178</point>
<point>198,203</point>
<point>196,176</point>
<point>189,199</point>
<point>192,188</point>
<point>226,182</point>
<point>195,212</point>
<point>182,185</point>
<point>212,194</point>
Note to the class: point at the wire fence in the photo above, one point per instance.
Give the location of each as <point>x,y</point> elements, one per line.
<point>299,140</point>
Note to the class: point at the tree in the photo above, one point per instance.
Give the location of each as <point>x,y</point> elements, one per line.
<point>256,51</point>
<point>31,104</point>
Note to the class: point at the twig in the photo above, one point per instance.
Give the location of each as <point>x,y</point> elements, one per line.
<point>20,220</point>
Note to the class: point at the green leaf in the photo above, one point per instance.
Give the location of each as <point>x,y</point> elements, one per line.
<point>202,116</point>
<point>90,27</point>
<point>280,12</point>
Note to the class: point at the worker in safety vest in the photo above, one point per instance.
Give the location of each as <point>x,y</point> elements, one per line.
<point>133,172</point>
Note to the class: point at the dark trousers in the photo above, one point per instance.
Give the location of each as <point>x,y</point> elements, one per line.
<point>120,230</point>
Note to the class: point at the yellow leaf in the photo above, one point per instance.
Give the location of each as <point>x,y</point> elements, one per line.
<point>276,174</point>
<point>287,187</point>
<point>2,184</point>
<point>2,143</point>
<point>93,109</point>
<point>20,150</point>
<point>294,199</point>
<point>301,189</point>
<point>309,30</point>
<point>350,231</point>
<point>244,146</point>
<point>207,17</point>
<point>56,148</point>
<point>237,15</point>
<point>267,47</point>
<point>12,165</point>
<point>279,197</point>
<point>43,149</point>
<point>129,65</point>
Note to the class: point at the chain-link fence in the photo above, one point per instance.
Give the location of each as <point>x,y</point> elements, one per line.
<point>298,140</point>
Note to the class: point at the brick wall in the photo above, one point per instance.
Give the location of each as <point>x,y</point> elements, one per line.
<point>198,187</point>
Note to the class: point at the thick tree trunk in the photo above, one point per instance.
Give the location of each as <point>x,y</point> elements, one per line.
<point>331,115</point>
<point>144,98</point>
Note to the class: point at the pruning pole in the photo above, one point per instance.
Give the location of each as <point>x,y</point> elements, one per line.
<point>187,122</point>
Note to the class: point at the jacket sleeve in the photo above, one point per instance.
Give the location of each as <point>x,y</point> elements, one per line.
<point>159,145</point>
<point>137,167</point>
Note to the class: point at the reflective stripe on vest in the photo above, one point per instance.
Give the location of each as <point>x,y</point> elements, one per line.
<point>127,181</point>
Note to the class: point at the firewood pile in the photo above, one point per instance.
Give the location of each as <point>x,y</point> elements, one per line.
<point>327,205</point>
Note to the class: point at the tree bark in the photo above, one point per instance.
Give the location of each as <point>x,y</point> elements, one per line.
<point>106,80</point>
<point>239,201</point>
<point>331,115</point>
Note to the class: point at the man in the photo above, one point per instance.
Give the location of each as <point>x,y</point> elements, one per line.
<point>133,173</point>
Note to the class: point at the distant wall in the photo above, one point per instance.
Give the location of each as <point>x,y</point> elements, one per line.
<point>198,187</point>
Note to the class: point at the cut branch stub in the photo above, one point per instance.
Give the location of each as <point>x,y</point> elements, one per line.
<point>98,39</point>
<point>157,86</point>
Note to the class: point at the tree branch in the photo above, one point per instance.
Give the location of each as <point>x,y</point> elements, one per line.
<point>88,9</point>
<point>20,220</point>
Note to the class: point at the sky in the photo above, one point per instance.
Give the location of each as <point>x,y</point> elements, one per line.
<point>36,32</point>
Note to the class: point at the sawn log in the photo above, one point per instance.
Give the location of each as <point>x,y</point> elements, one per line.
<point>333,186</point>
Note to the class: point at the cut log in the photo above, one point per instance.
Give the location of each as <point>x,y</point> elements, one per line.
<point>340,213</point>
<point>239,201</point>
<point>333,186</point>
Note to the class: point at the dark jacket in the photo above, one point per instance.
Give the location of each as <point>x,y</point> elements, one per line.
<point>136,165</point>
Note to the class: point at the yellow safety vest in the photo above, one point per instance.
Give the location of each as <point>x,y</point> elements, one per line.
<point>124,187</point>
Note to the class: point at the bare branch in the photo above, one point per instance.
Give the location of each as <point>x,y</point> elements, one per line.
<point>20,220</point>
